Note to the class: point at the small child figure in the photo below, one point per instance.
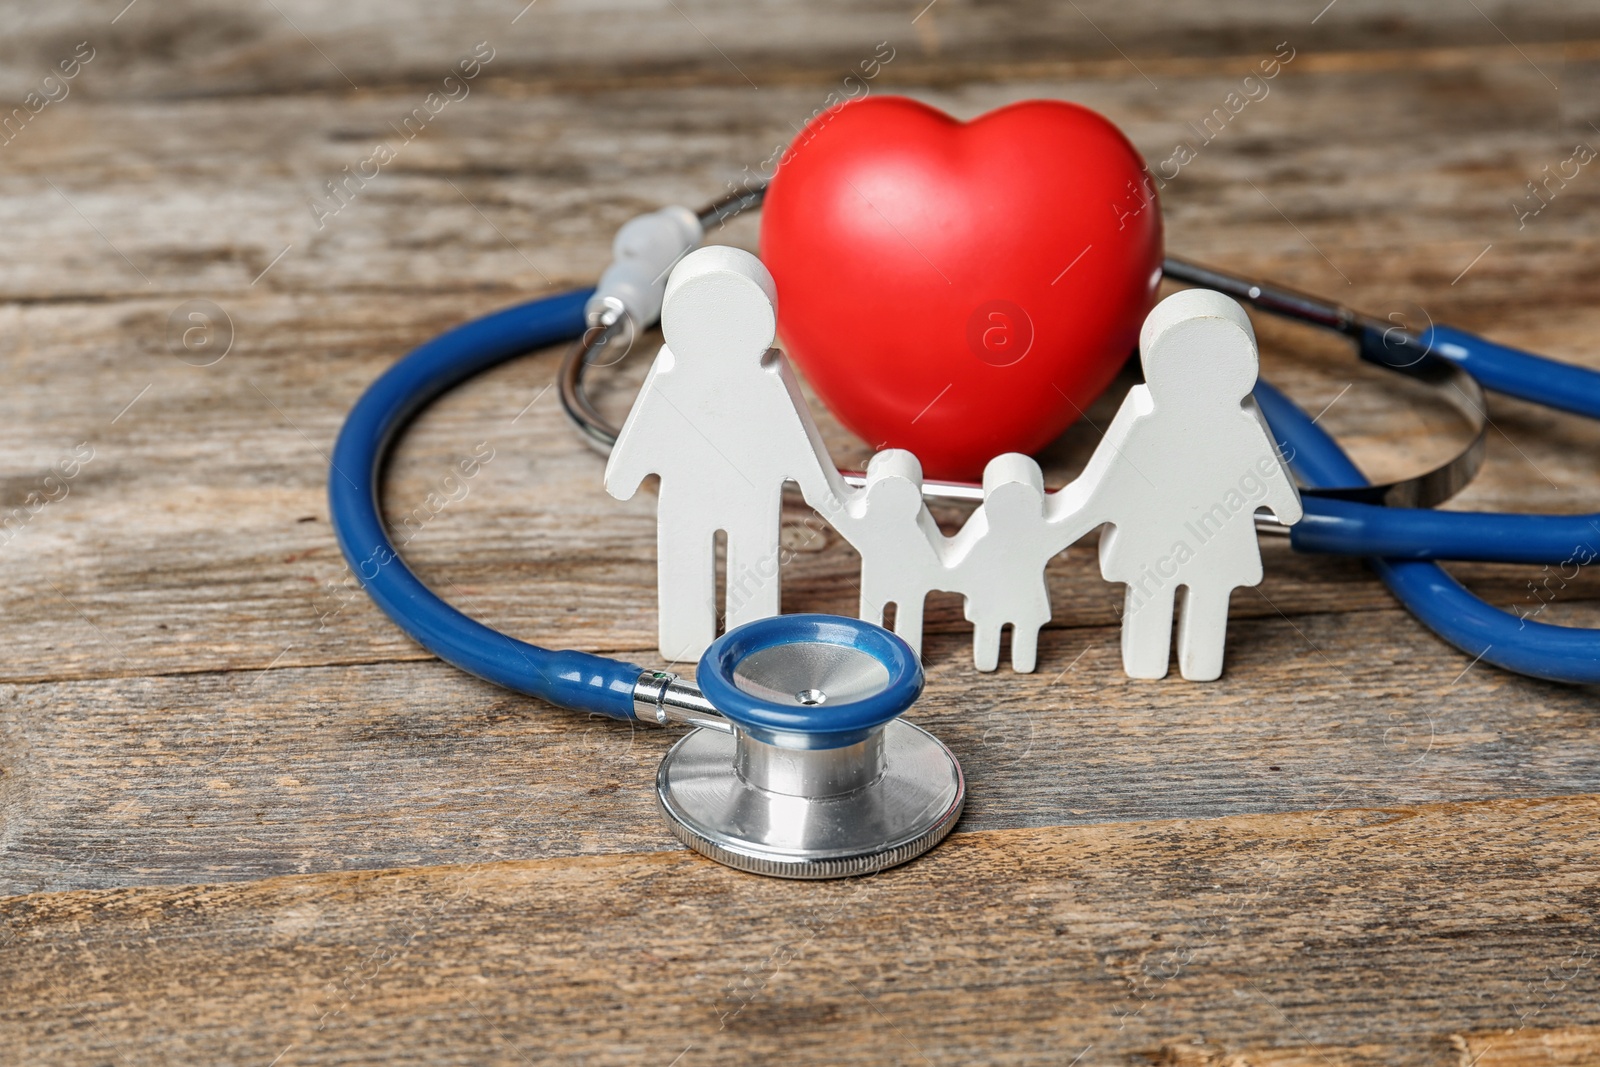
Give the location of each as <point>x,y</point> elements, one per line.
<point>902,550</point>
<point>1179,475</point>
<point>999,557</point>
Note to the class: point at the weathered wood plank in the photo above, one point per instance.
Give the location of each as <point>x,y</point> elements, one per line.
<point>241,775</point>
<point>1516,1045</point>
<point>1256,939</point>
<point>1429,162</point>
<point>187,48</point>
<point>189,695</point>
<point>196,541</point>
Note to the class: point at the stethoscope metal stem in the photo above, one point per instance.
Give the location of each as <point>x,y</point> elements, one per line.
<point>1287,303</point>
<point>661,697</point>
<point>720,211</point>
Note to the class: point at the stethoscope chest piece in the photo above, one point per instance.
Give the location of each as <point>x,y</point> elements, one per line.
<point>819,777</point>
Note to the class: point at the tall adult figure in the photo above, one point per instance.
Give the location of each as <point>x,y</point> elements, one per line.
<point>1179,476</point>
<point>722,421</point>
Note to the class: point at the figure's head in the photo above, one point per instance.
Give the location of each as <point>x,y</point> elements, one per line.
<point>720,306</point>
<point>1196,345</point>
<point>1013,488</point>
<point>894,482</point>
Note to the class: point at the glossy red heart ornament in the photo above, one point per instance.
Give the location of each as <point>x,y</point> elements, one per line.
<point>961,289</point>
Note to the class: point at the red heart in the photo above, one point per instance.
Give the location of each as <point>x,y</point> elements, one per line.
<point>961,289</point>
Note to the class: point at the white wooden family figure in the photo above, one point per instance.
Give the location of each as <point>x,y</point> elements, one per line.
<point>721,419</point>
<point>1175,483</point>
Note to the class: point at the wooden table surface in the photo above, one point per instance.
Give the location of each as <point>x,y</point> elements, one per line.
<point>243,820</point>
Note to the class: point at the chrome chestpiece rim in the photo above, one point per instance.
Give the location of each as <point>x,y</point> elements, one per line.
<point>819,778</point>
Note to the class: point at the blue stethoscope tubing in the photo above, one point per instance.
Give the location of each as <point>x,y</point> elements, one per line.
<point>578,680</point>
<point>1399,543</point>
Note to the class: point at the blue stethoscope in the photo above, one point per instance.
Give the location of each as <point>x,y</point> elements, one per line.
<point>798,735</point>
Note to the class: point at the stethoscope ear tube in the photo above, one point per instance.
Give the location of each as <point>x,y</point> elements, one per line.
<point>1555,653</point>
<point>1345,528</point>
<point>569,679</point>
<point>1513,372</point>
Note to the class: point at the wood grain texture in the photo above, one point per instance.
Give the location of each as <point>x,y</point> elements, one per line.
<point>1397,935</point>
<point>195,496</point>
<point>190,48</point>
<point>242,817</point>
<point>221,777</point>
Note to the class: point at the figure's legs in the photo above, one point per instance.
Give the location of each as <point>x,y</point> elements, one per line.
<point>908,618</point>
<point>754,562</point>
<point>1202,632</point>
<point>1025,644</point>
<point>872,605</point>
<point>1147,633</point>
<point>686,585</point>
<point>986,646</point>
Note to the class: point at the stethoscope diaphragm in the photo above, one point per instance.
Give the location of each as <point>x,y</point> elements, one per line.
<point>819,776</point>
